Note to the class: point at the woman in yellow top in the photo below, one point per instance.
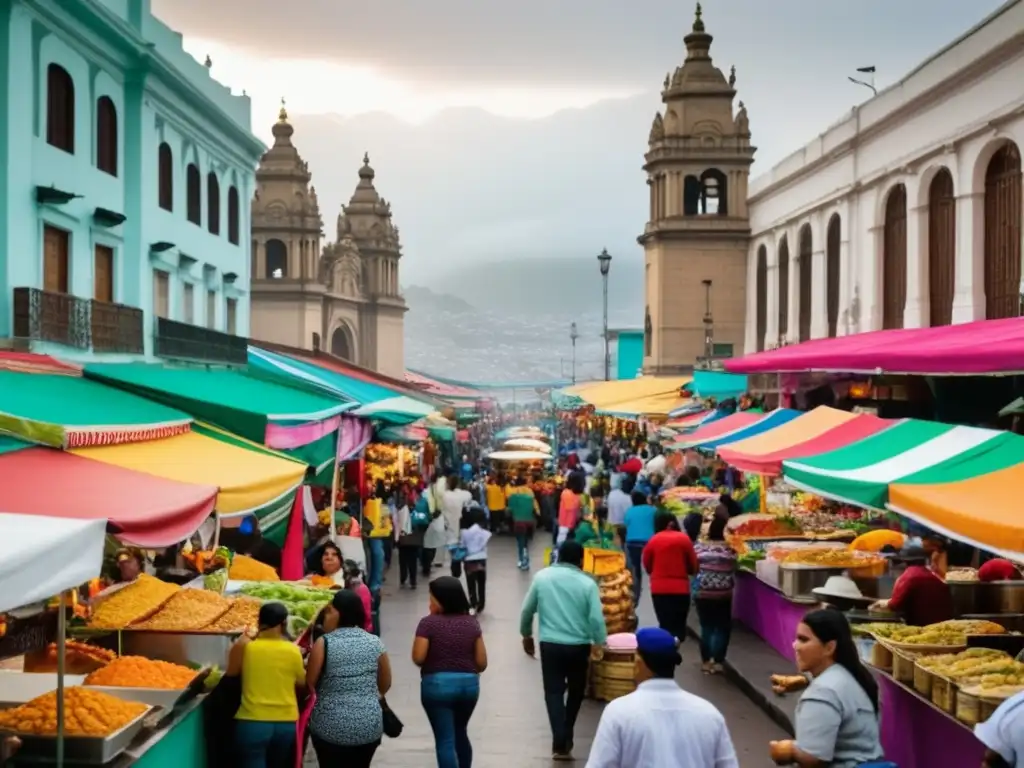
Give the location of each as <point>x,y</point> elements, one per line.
<point>497,502</point>
<point>272,678</point>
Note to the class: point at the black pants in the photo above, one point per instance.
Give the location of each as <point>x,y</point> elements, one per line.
<point>564,671</point>
<point>671,611</point>
<point>715,616</point>
<point>427,560</point>
<point>336,756</point>
<point>408,563</point>
<point>476,583</point>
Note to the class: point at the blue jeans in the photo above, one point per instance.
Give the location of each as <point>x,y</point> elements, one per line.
<point>375,566</point>
<point>523,548</point>
<point>449,699</point>
<point>715,616</point>
<point>634,555</point>
<point>261,744</point>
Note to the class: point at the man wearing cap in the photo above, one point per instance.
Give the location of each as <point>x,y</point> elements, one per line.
<point>571,628</point>
<point>660,724</point>
<point>919,595</point>
<point>1003,735</point>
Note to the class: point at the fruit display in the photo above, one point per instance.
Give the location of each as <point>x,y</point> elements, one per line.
<point>245,568</point>
<point>617,601</point>
<point>882,630</point>
<point>206,560</point>
<point>766,528</point>
<point>140,672</point>
<point>132,603</point>
<point>303,603</point>
<point>217,581</point>
<point>949,633</point>
<point>189,609</point>
<point>382,463</point>
<point>79,658</point>
<point>86,713</point>
<point>831,557</point>
<point>242,616</point>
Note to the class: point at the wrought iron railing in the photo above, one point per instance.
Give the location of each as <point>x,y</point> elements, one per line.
<point>184,341</point>
<point>72,321</point>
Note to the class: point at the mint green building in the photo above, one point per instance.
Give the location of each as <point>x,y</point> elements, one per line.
<point>127,175</point>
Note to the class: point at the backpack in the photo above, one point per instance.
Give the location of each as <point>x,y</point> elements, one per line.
<point>420,515</point>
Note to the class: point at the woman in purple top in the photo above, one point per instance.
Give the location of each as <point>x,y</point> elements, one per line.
<point>449,650</point>
<point>716,578</point>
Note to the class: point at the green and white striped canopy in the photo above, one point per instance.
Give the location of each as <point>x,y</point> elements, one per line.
<point>910,451</point>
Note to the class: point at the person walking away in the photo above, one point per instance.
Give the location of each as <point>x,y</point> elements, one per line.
<point>619,502</point>
<point>449,650</point>
<point>670,560</point>
<point>374,513</point>
<point>570,505</point>
<point>524,510</point>
<point>660,724</point>
<point>474,540</point>
<point>272,677</point>
<point>571,630</point>
<point>434,535</point>
<point>716,580</point>
<point>639,530</point>
<point>1003,735</point>
<point>497,503</point>
<point>410,528</point>
<point>836,720</point>
<point>437,492</point>
<point>453,503</point>
<point>350,673</point>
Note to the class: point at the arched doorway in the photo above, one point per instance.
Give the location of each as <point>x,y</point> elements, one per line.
<point>341,344</point>
<point>832,267</point>
<point>783,288</point>
<point>894,258</point>
<point>762,296</point>
<point>277,259</point>
<point>806,248</point>
<point>1002,233</point>
<point>941,248</point>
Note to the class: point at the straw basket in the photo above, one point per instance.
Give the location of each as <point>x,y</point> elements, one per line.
<point>923,680</point>
<point>903,666</point>
<point>944,693</point>
<point>881,656</point>
<point>968,707</point>
<point>612,676</point>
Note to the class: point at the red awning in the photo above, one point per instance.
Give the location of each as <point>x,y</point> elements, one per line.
<point>721,427</point>
<point>951,350</point>
<point>144,510</point>
<point>439,388</point>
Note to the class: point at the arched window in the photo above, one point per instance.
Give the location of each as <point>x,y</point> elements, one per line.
<point>761,296</point>
<point>941,248</point>
<point>806,248</point>
<point>193,195</point>
<point>60,108</point>
<point>832,267</point>
<point>713,195</point>
<point>165,172</point>
<point>212,203</point>
<point>233,214</point>
<point>340,346</point>
<point>894,258</point>
<point>783,288</point>
<point>1002,233</point>
<point>648,333</point>
<point>106,135</point>
<point>277,259</point>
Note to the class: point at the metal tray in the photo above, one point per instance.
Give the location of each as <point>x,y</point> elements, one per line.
<point>155,697</point>
<point>80,750</point>
<point>16,688</point>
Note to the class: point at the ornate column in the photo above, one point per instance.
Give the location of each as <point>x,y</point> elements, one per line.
<point>969,296</point>
<point>819,282</point>
<point>750,326</point>
<point>871,280</point>
<point>793,313</point>
<point>771,334</point>
<point>915,311</point>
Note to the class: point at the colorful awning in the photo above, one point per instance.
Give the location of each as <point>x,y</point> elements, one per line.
<point>606,395</point>
<point>818,431</point>
<point>247,476</point>
<point>657,406</point>
<point>228,397</point>
<point>441,389</point>
<point>67,411</point>
<point>736,426</point>
<point>910,452</point>
<point>945,350</point>
<point>688,421</point>
<point>143,509</point>
<point>984,510</point>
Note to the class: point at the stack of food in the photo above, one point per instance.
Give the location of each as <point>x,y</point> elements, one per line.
<point>962,575</point>
<point>86,713</point>
<point>245,568</point>
<point>303,603</point>
<point>242,616</point>
<point>188,609</point>
<point>944,677</point>
<point>831,557</point>
<point>617,601</point>
<point>140,672</point>
<point>79,658</point>
<point>132,603</point>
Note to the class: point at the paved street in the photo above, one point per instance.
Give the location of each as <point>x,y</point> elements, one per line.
<point>509,728</point>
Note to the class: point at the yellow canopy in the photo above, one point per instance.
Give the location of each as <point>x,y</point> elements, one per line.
<point>652,406</point>
<point>604,395</point>
<point>246,479</point>
<point>983,510</point>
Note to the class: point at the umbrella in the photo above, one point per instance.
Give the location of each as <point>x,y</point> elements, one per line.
<point>528,444</point>
<point>518,456</point>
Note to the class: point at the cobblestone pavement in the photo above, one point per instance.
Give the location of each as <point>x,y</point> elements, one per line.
<point>509,728</point>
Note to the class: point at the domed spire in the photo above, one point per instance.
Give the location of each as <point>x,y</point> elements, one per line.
<point>366,172</point>
<point>282,115</point>
<point>698,20</point>
<point>698,42</point>
<point>282,129</point>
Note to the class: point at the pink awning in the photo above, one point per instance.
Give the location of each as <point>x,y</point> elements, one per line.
<point>439,388</point>
<point>722,427</point>
<point>948,350</point>
<point>850,431</point>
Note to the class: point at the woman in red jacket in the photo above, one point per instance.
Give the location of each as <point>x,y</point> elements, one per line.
<point>670,560</point>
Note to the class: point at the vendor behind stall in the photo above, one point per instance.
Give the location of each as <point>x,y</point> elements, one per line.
<point>919,594</point>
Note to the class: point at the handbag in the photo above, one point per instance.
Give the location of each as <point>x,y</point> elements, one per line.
<point>392,725</point>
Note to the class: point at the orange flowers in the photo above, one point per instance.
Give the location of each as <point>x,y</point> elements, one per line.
<point>140,672</point>
<point>86,713</point>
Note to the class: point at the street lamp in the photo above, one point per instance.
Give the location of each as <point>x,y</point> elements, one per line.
<point>604,260</point>
<point>573,335</point>
<point>867,84</point>
<point>709,328</point>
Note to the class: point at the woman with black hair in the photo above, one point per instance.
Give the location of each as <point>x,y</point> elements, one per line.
<point>837,717</point>
<point>713,590</point>
<point>350,672</point>
<point>449,650</point>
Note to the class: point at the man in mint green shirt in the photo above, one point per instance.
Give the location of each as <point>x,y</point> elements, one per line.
<point>571,627</point>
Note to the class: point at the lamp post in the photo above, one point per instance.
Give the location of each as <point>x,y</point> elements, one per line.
<point>573,335</point>
<point>866,83</point>
<point>604,260</point>
<point>709,327</point>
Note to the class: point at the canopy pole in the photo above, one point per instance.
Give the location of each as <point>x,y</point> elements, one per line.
<point>61,633</point>
<point>334,484</point>
<point>763,493</point>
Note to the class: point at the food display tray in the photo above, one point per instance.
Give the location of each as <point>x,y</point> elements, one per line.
<point>19,687</point>
<point>155,697</point>
<point>80,750</point>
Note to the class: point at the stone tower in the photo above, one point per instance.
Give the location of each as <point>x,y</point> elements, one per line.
<point>697,163</point>
<point>286,232</point>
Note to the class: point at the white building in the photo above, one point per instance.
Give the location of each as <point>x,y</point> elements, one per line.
<point>905,213</point>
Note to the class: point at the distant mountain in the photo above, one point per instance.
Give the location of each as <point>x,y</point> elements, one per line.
<point>426,300</point>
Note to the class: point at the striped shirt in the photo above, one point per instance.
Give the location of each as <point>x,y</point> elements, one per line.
<point>716,575</point>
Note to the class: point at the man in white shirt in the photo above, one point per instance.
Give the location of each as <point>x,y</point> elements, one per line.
<point>453,502</point>
<point>1003,735</point>
<point>660,724</point>
<point>618,500</point>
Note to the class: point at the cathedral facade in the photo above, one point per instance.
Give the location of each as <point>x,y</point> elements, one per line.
<point>343,297</point>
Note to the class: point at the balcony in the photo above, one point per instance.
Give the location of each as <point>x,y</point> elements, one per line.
<point>182,341</point>
<point>87,324</point>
